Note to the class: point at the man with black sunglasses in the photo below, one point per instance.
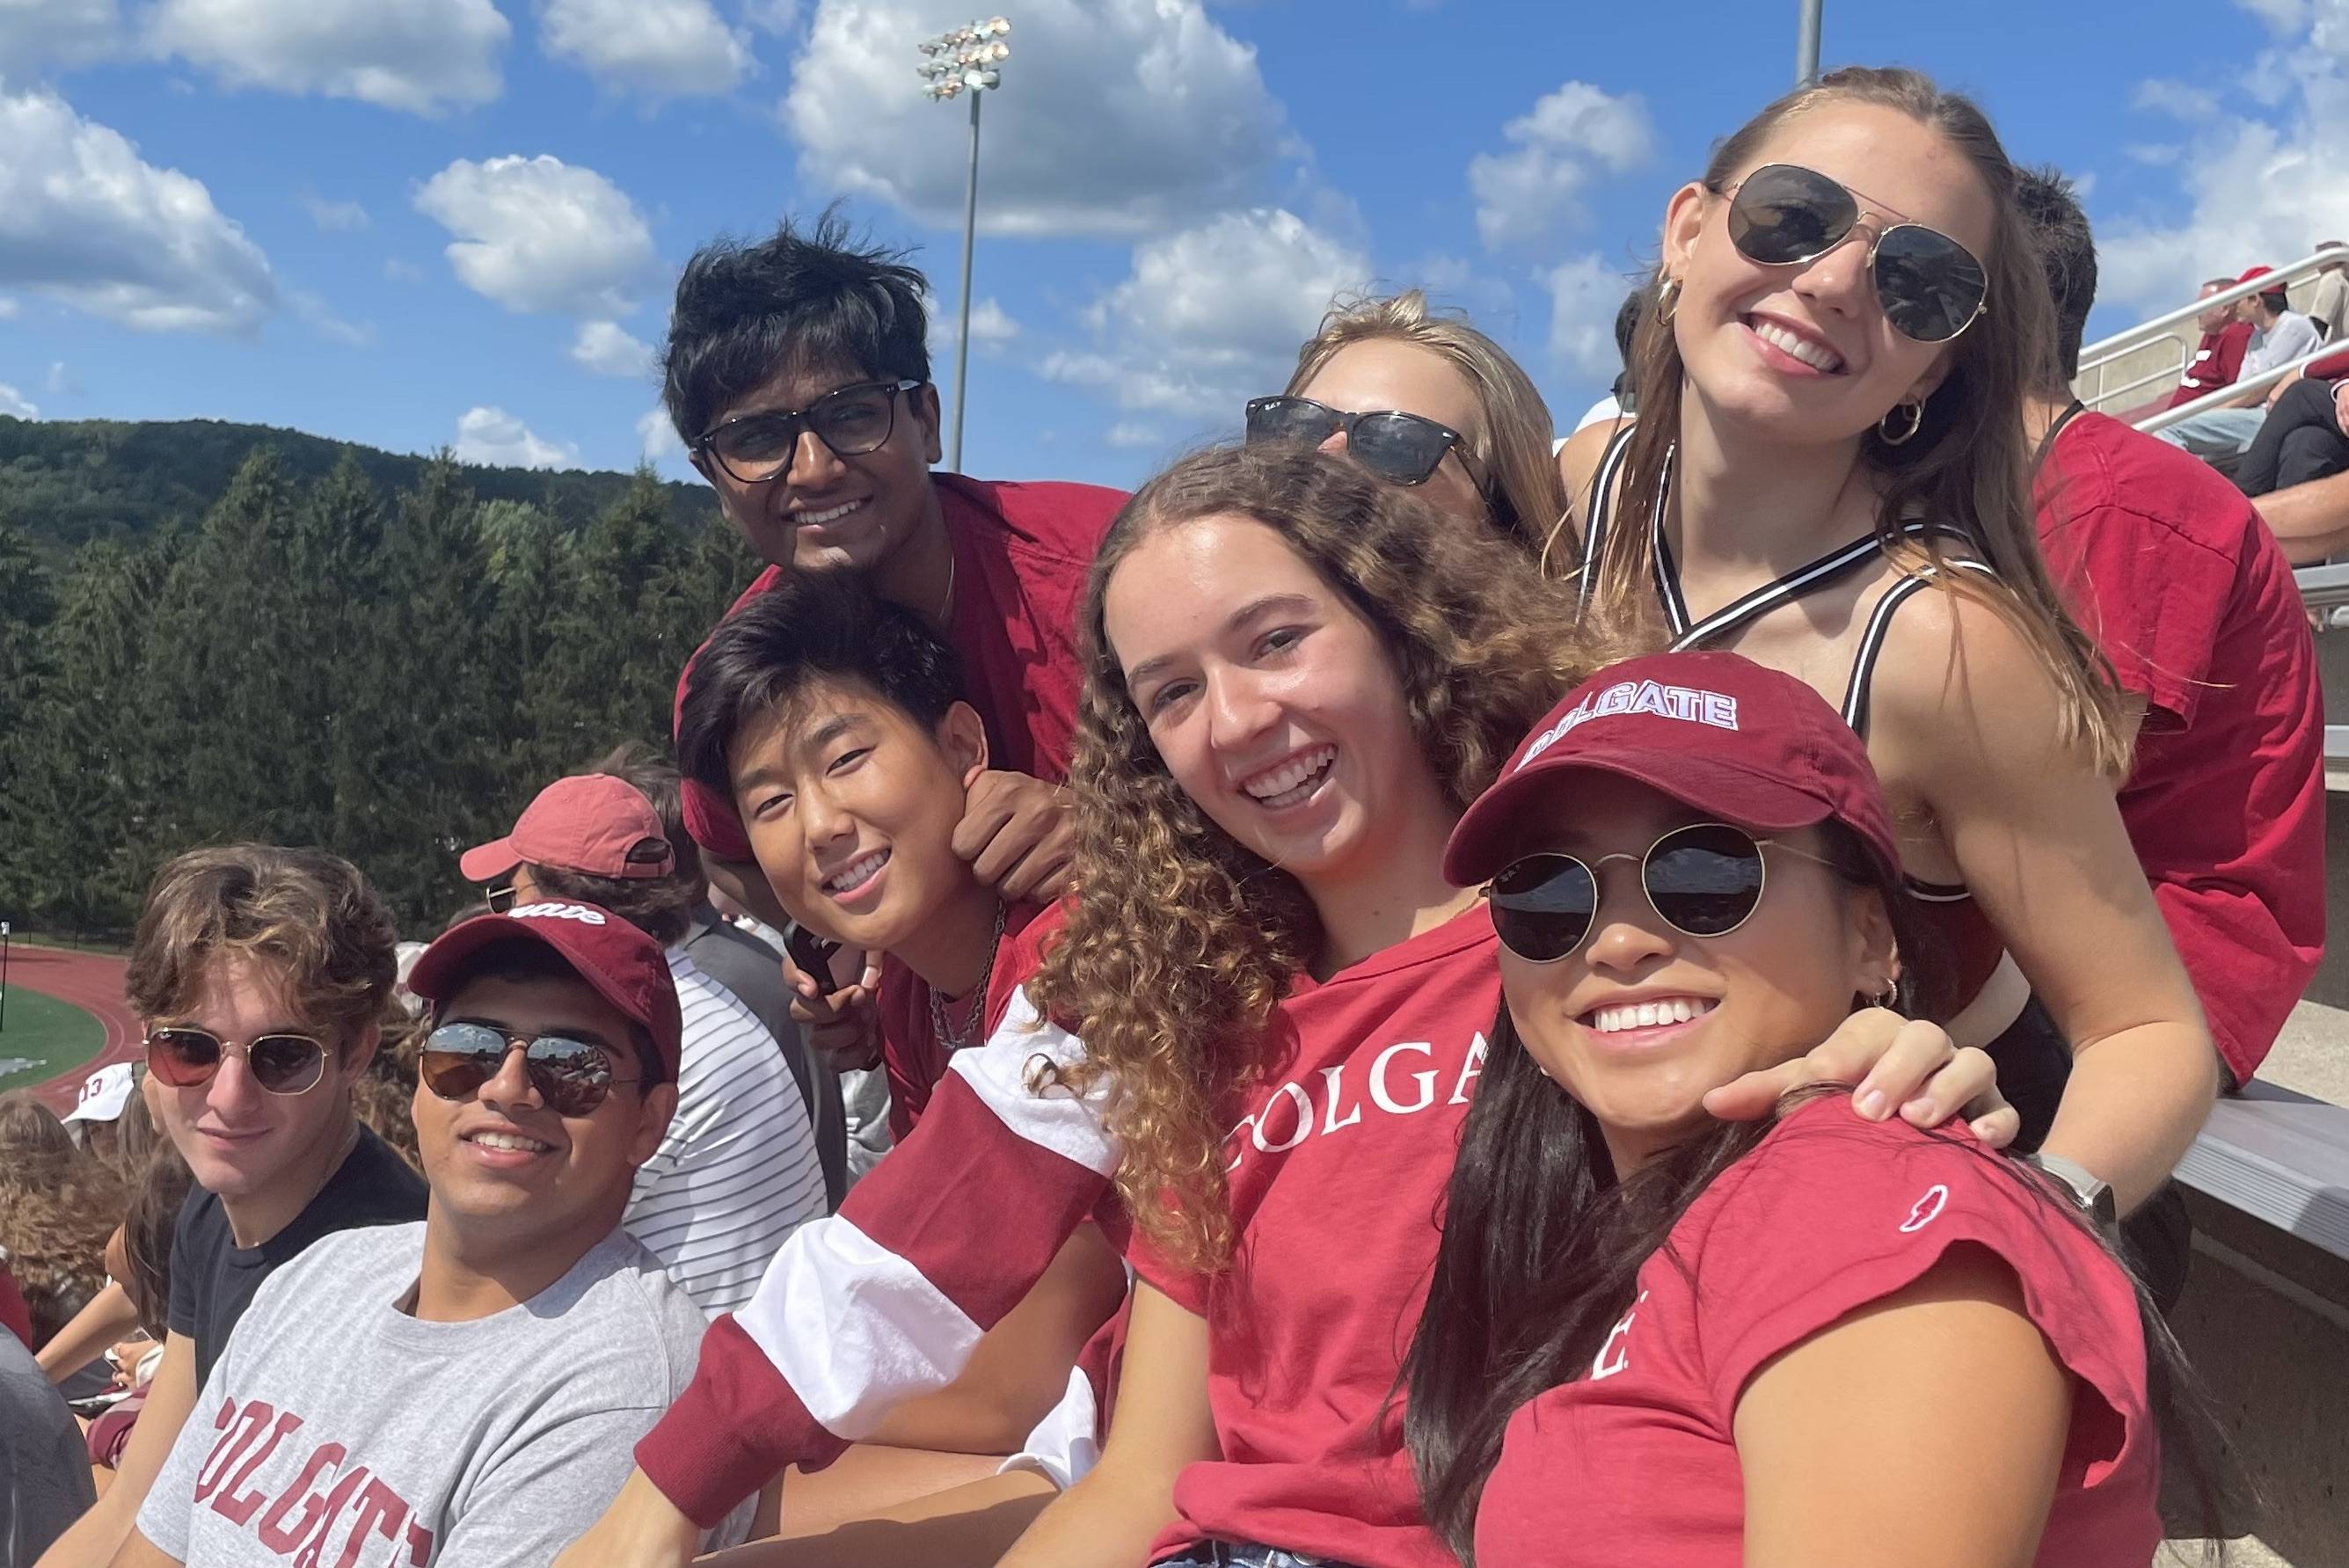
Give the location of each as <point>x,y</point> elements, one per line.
<point>261,973</point>
<point>797,372</point>
<point>465,1390</point>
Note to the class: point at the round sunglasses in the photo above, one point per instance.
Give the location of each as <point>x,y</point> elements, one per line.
<point>1932,287</point>
<point>1704,880</point>
<point>571,1077</point>
<point>281,1064</point>
<point>851,421</point>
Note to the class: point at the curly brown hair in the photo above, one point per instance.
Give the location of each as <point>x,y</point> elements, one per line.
<point>1180,942</point>
<point>56,1214</point>
<point>310,915</point>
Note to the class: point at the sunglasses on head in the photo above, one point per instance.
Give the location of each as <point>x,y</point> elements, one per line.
<point>571,1077</point>
<point>281,1064</point>
<point>1932,287</point>
<point>851,421</point>
<point>1401,448</point>
<point>1704,880</point>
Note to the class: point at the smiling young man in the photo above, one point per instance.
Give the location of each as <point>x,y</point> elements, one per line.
<point>798,374</point>
<point>463,1390</point>
<point>261,973</point>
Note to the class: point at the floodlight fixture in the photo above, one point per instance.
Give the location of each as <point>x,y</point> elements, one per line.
<point>965,59</point>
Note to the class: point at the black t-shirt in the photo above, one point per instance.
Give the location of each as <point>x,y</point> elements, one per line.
<point>213,1279</point>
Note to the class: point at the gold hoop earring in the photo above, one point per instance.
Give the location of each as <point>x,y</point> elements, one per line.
<point>1916,407</point>
<point>1668,300</point>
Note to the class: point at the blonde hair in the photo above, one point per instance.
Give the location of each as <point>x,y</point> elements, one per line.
<point>1513,447</point>
<point>1180,942</point>
<point>1969,466</point>
<point>309,915</point>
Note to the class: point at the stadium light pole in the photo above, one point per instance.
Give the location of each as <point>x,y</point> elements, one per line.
<point>964,60</point>
<point>1806,45</point>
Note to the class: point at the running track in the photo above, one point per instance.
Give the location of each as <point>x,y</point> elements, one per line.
<point>90,981</point>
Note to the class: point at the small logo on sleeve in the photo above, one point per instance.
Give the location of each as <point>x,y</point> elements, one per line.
<point>1926,1210</point>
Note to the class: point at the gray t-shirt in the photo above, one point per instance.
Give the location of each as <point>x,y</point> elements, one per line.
<point>45,1482</point>
<point>2292,336</point>
<point>336,1429</point>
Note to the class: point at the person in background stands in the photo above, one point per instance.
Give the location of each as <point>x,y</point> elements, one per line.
<point>462,1391</point>
<point>797,373</point>
<point>2279,336</point>
<point>736,1170</point>
<point>1621,401</point>
<point>2330,309</point>
<point>2169,569</point>
<point>741,964</point>
<point>261,973</point>
<point>2305,437</point>
<point>2217,357</point>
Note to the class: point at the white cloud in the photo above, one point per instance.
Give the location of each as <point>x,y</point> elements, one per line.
<point>991,326</point>
<point>2180,100</point>
<point>536,233</point>
<point>1126,434</point>
<point>771,16</point>
<point>608,349</point>
<point>37,33</point>
<point>13,403</point>
<point>1116,116</point>
<point>495,439</point>
<point>2260,188</point>
<point>425,57</point>
<point>58,382</point>
<point>84,220</point>
<point>2283,15</point>
<point>1213,315</point>
<point>657,437</point>
<point>401,271</point>
<point>1570,135</point>
<point>320,317</point>
<point>667,48</point>
<point>1584,292</point>
<point>336,217</point>
<point>7,308</point>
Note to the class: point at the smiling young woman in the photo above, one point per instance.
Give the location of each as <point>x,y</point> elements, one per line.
<point>1849,312</point>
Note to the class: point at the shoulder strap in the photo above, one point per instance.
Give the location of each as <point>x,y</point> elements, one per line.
<point>1879,622</point>
<point>1603,481</point>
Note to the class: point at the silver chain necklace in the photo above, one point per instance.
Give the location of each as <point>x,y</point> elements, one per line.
<point>971,1015</point>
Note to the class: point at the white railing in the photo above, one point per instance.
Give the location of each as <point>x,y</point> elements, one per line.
<point>2178,328</point>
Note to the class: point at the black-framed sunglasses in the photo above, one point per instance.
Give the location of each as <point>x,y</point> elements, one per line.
<point>1401,448</point>
<point>1703,879</point>
<point>852,421</point>
<point>1932,287</point>
<point>571,1077</point>
<point>282,1064</point>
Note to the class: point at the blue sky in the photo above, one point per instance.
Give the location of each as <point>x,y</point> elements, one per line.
<point>428,223</point>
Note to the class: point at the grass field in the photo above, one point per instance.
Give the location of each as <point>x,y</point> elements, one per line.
<point>41,1037</point>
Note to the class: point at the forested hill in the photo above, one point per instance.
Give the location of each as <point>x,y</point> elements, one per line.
<point>66,482</point>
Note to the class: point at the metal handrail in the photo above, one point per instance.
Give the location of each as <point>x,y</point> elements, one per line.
<point>2097,355</point>
<point>2218,398</point>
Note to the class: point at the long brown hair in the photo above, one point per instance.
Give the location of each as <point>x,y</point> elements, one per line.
<point>1969,466</point>
<point>1513,446</point>
<point>1180,942</point>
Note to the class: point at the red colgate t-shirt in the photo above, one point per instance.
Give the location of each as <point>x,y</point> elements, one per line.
<point>1636,1462</point>
<point>1022,553</point>
<point>2167,567</point>
<point>1338,1166</point>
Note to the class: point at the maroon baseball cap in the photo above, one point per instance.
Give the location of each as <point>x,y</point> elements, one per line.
<point>1716,732</point>
<point>592,823</point>
<point>627,968</point>
<point>2254,273</point>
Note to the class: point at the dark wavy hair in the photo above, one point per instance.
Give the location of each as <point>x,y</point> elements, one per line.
<point>1180,942</point>
<point>803,298</point>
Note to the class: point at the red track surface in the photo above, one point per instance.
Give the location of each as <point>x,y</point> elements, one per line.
<point>90,981</point>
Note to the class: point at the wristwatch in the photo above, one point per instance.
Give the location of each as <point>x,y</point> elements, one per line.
<point>2084,1187</point>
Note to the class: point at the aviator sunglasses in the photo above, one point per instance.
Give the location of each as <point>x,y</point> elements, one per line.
<point>851,421</point>
<point>281,1064</point>
<point>1705,880</point>
<point>1932,287</point>
<point>571,1077</point>
<point>1401,448</point>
